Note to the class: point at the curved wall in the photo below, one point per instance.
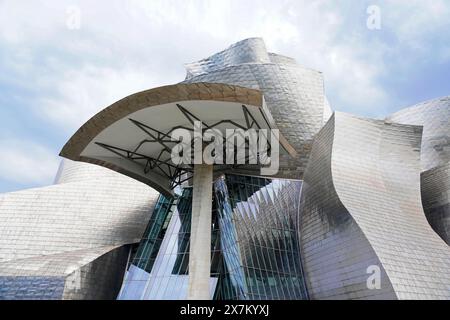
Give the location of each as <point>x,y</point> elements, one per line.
<point>76,171</point>
<point>252,50</point>
<point>434,116</point>
<point>72,275</point>
<point>361,207</point>
<point>436,199</point>
<point>335,251</point>
<point>294,95</point>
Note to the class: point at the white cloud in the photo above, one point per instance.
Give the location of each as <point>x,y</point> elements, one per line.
<point>65,76</point>
<point>147,43</point>
<point>126,46</point>
<point>82,93</point>
<point>326,41</point>
<point>417,20</point>
<point>26,162</point>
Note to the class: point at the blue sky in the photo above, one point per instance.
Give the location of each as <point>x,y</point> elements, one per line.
<point>54,77</point>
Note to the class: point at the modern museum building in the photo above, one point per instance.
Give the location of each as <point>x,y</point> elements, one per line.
<point>357,208</point>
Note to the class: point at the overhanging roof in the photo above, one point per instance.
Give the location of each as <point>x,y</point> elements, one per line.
<point>130,135</point>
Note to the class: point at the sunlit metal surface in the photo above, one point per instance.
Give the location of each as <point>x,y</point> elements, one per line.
<point>436,199</point>
<point>77,230</point>
<point>434,116</point>
<point>361,207</point>
<point>294,94</point>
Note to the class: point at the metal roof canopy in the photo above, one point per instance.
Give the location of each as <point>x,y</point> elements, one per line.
<point>132,136</point>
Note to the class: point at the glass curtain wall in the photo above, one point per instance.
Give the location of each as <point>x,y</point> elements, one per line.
<point>254,247</point>
<point>159,269</point>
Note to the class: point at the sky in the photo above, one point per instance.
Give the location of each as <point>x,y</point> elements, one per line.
<point>63,61</point>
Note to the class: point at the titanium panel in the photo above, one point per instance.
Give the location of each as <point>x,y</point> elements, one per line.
<point>74,275</point>
<point>361,207</point>
<point>436,199</point>
<point>294,95</point>
<point>434,116</point>
<point>68,226</point>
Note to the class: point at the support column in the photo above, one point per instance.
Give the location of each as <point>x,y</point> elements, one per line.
<point>200,242</point>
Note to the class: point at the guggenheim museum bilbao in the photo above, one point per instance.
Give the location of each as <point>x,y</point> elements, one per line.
<point>356,208</point>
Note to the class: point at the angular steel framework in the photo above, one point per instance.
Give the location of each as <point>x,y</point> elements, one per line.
<point>162,163</point>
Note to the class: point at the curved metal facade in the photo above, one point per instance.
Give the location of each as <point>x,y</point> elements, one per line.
<point>294,94</point>
<point>434,116</point>
<point>83,223</point>
<point>361,208</point>
<point>73,275</point>
<point>133,135</point>
<point>436,199</point>
<point>358,207</point>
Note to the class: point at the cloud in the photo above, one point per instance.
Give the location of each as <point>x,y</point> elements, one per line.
<point>79,94</point>
<point>414,22</point>
<point>146,44</point>
<point>25,162</point>
<point>65,76</point>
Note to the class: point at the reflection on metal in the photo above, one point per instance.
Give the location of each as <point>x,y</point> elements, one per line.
<point>357,210</point>
<point>71,240</point>
<point>294,95</point>
<point>80,275</point>
<point>436,199</point>
<point>434,116</point>
<point>361,207</point>
<point>156,114</point>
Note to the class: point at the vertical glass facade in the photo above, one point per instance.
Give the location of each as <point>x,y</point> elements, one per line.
<point>254,247</point>
<point>148,249</point>
<point>260,249</point>
<point>159,269</point>
<point>139,270</point>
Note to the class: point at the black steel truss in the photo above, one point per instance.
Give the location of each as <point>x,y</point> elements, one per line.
<point>162,164</point>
